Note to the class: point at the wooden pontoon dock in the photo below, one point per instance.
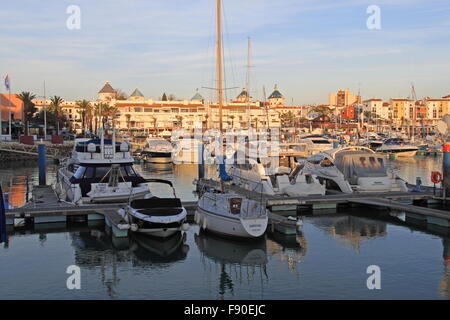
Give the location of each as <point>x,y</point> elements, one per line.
<point>45,207</point>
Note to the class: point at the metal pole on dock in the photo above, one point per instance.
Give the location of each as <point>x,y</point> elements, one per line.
<point>201,163</point>
<point>3,234</point>
<point>446,169</point>
<point>41,156</point>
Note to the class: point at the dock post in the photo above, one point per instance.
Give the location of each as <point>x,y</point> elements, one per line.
<point>446,170</point>
<point>42,173</point>
<point>3,234</point>
<point>6,200</point>
<point>201,163</point>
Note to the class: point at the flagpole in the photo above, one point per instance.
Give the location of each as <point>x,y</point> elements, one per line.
<point>9,113</point>
<point>45,115</point>
<point>1,125</point>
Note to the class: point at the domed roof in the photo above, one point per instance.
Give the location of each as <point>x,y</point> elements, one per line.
<point>243,94</point>
<point>107,88</point>
<point>197,96</point>
<point>276,94</point>
<point>137,93</point>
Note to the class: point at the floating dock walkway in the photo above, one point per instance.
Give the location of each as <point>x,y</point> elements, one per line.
<point>46,207</point>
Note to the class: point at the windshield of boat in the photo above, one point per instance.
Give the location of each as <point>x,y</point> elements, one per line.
<point>361,165</point>
<point>98,172</point>
<point>320,141</point>
<point>395,141</point>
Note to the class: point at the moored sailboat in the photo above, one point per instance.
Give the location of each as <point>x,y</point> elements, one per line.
<point>224,212</point>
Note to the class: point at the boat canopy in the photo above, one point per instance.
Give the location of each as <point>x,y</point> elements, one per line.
<point>81,146</point>
<point>354,165</point>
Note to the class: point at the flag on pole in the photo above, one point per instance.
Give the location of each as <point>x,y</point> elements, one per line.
<point>7,82</point>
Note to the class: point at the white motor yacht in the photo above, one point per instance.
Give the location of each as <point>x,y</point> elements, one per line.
<point>316,144</point>
<point>267,177</point>
<point>100,171</point>
<point>399,147</point>
<point>158,217</point>
<point>353,169</point>
<point>157,150</point>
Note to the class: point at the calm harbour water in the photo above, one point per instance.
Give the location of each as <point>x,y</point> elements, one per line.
<point>326,260</point>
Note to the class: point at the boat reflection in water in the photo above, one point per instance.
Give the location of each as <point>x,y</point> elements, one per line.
<point>444,285</point>
<point>155,250</point>
<point>350,230</point>
<point>157,167</point>
<point>97,251</point>
<point>290,249</point>
<point>236,262</point>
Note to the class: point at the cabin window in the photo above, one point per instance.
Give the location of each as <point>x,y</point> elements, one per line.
<point>128,171</point>
<point>89,173</point>
<point>101,171</point>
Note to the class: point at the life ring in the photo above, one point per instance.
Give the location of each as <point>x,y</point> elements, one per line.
<point>436,177</point>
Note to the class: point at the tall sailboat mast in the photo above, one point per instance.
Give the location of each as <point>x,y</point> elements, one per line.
<point>219,63</point>
<point>247,84</point>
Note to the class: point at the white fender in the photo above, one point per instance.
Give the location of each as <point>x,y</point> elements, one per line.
<point>185,226</point>
<point>196,218</point>
<point>204,223</point>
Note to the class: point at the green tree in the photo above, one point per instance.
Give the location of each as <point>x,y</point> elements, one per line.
<point>56,106</point>
<point>287,119</point>
<point>52,118</point>
<point>85,111</point>
<point>29,108</point>
<point>322,111</point>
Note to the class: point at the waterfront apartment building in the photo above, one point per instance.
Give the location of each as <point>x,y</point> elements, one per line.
<point>377,108</point>
<point>436,108</point>
<point>343,98</point>
<point>138,114</point>
<point>10,103</point>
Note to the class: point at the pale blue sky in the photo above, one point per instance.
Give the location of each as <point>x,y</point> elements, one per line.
<point>308,47</point>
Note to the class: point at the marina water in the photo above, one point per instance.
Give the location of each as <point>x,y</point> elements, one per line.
<point>327,259</point>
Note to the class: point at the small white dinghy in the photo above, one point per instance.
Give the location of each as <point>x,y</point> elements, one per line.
<point>159,217</point>
<point>231,214</point>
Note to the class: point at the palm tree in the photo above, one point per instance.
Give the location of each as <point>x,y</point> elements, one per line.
<point>85,112</point>
<point>128,117</point>
<point>256,123</point>
<point>232,121</point>
<point>179,121</point>
<point>287,119</point>
<point>206,120</point>
<point>101,113</point>
<point>154,124</point>
<point>28,107</point>
<point>322,110</point>
<point>107,112</point>
<point>56,103</point>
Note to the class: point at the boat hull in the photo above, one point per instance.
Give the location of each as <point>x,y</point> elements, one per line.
<point>232,227</point>
<point>400,153</point>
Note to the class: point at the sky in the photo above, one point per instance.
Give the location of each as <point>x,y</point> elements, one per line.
<point>309,48</point>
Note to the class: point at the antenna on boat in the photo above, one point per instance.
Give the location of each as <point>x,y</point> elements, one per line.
<point>219,79</point>
<point>413,98</point>
<point>247,81</point>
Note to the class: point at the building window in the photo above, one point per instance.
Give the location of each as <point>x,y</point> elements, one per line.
<point>175,110</point>
<point>137,109</point>
<point>147,109</point>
